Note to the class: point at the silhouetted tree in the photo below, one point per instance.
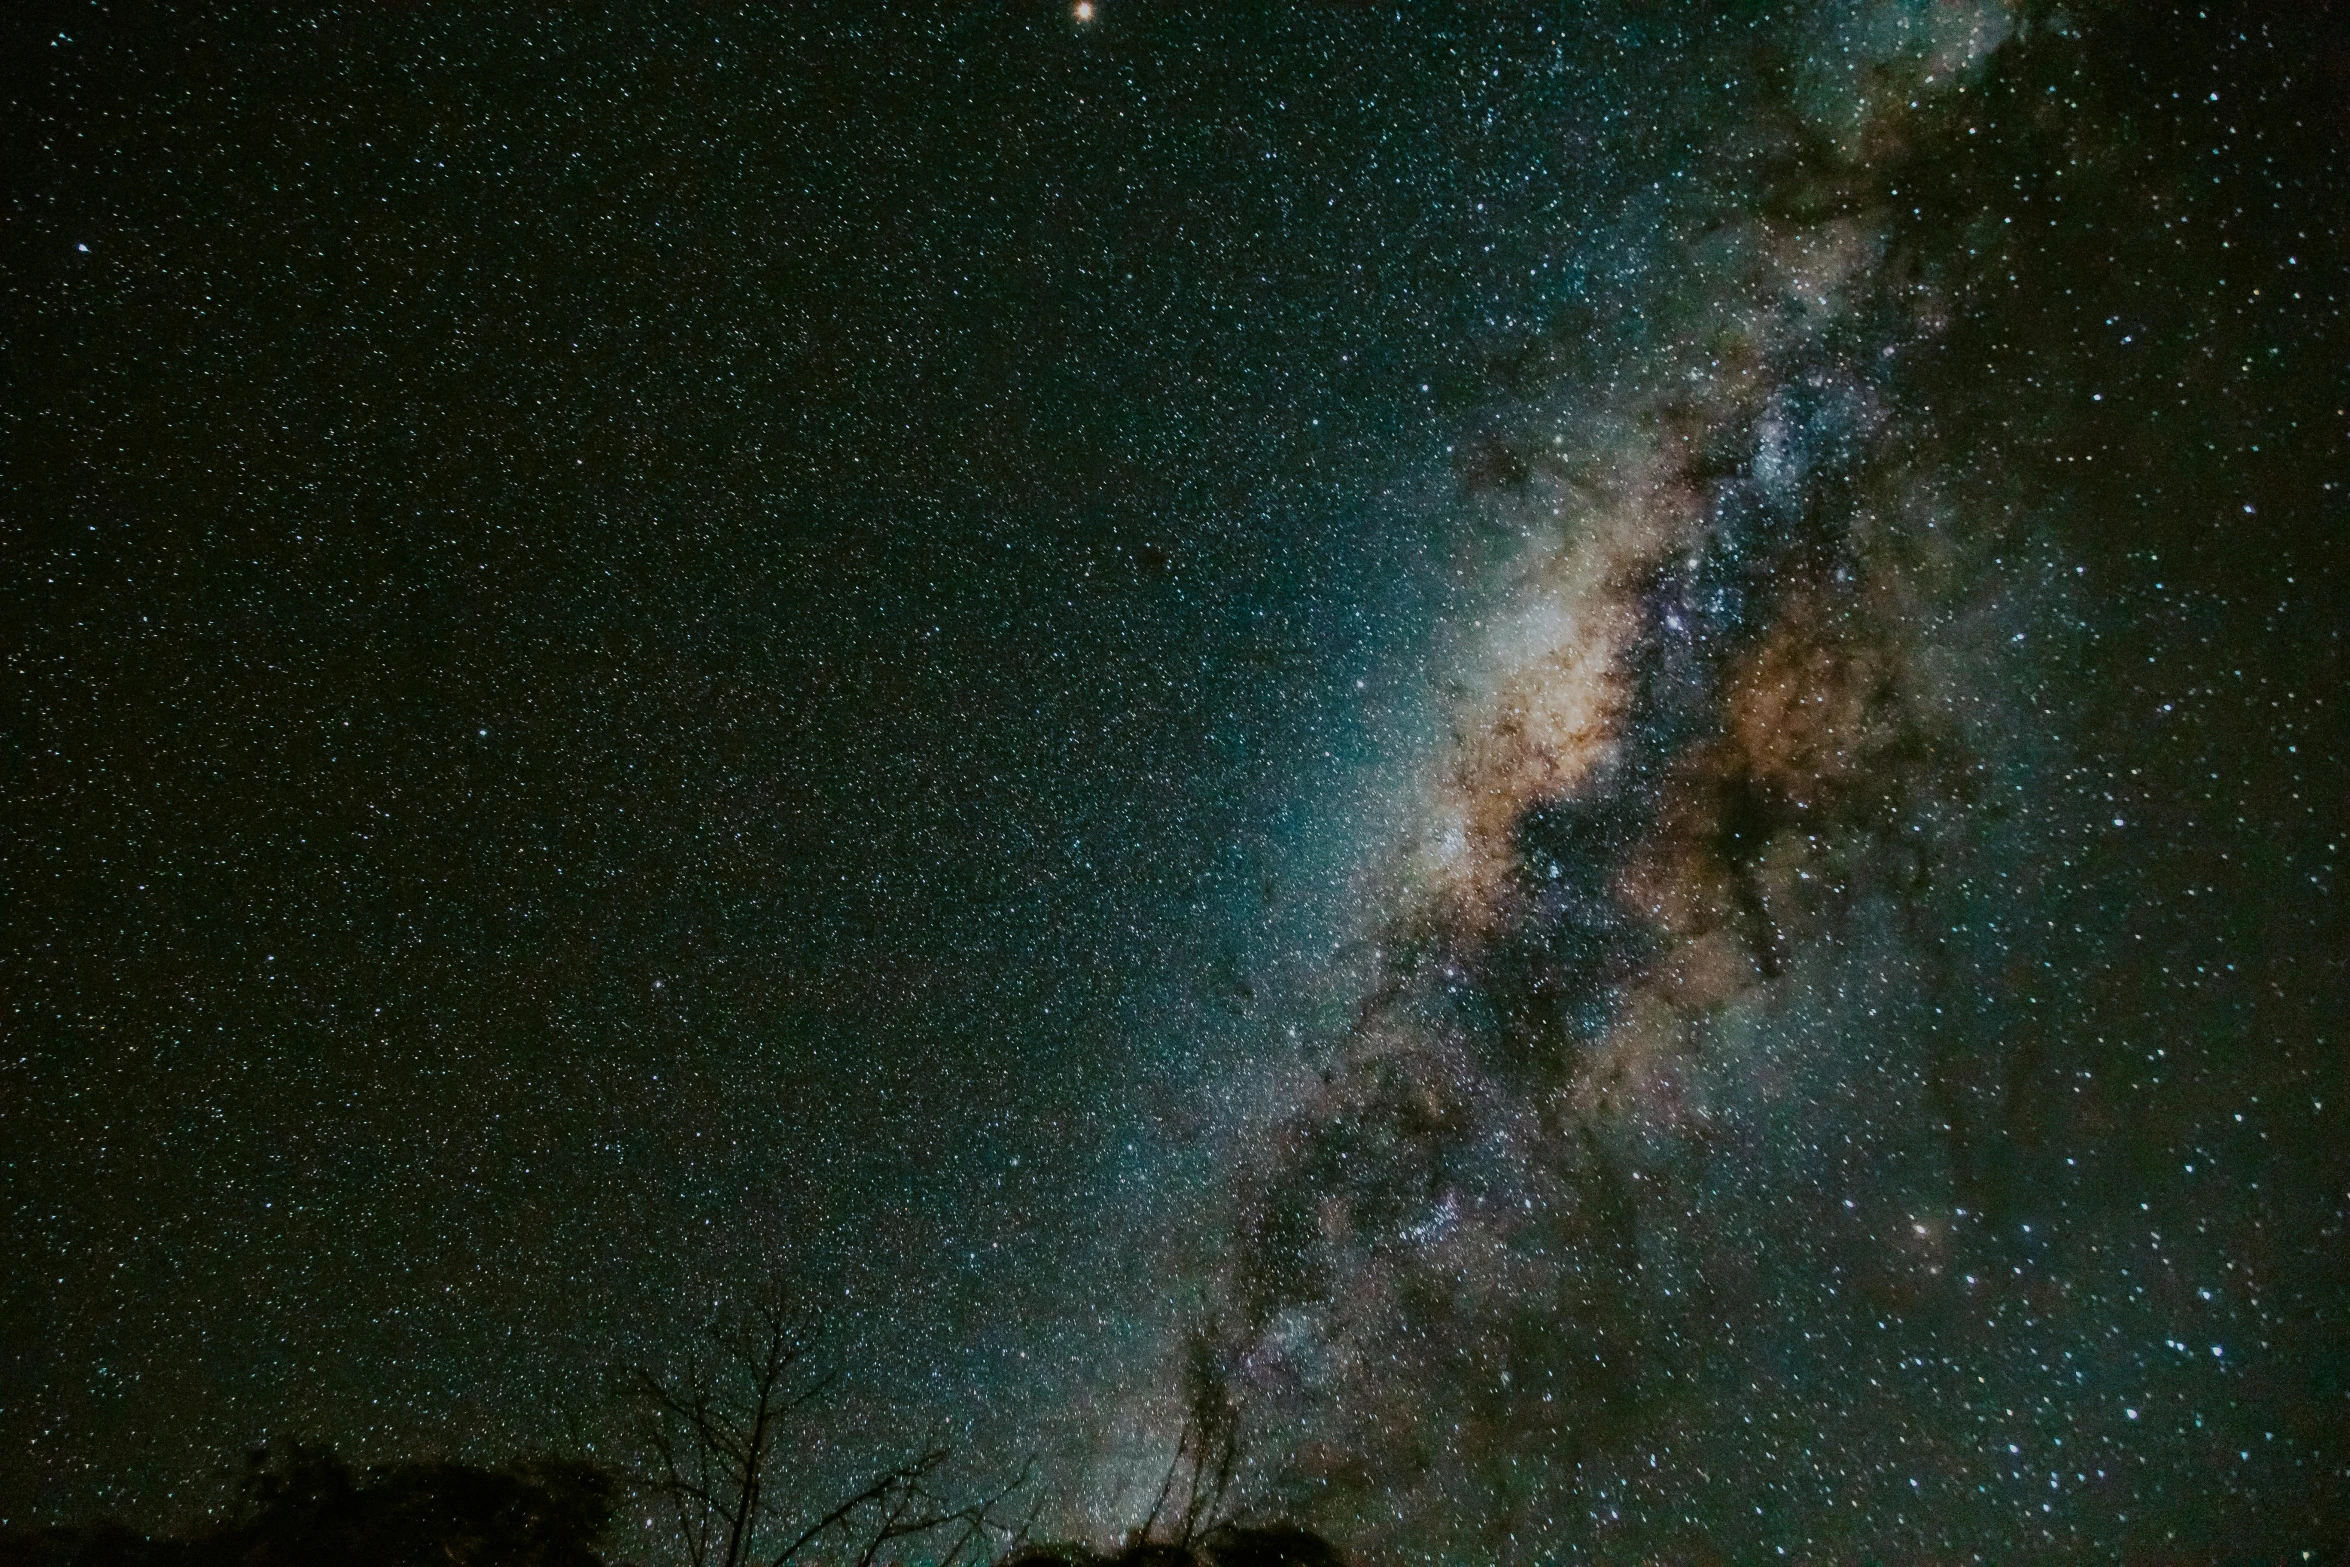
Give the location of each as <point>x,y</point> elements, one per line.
<point>1191,1522</point>
<point>712,1432</point>
<point>1191,1500</point>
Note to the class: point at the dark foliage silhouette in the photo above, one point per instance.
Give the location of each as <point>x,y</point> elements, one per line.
<point>305,1507</point>
<point>1229,1545</point>
<point>718,1434</point>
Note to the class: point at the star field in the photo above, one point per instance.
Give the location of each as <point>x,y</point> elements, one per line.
<point>1600,752</point>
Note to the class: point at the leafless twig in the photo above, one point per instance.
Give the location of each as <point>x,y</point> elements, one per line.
<point>711,1433</point>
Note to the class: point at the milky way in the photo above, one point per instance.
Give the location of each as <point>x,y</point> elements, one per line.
<point>1697,1169</point>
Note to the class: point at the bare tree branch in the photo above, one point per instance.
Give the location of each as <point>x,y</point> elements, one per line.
<point>1166,1486</point>
<point>882,1489</point>
<point>712,1431</point>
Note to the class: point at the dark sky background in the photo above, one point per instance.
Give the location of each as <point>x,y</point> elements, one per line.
<point>641,648</point>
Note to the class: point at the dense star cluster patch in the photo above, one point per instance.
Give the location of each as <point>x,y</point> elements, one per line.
<point>1579,769</point>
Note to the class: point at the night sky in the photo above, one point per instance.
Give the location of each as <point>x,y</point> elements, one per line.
<point>1599,749</point>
